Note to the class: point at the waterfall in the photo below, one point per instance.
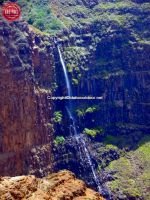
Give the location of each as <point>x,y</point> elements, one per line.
<point>91,165</point>
<point>73,130</point>
<point>65,73</point>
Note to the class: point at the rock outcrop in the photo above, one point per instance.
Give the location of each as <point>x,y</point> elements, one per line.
<point>59,186</point>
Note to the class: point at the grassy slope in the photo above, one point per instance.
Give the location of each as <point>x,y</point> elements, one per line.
<point>39,15</point>
<point>132,172</point>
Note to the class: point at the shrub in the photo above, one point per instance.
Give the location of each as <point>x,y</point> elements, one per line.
<point>91,109</point>
<point>57,117</point>
<point>93,132</point>
<point>81,112</point>
<point>75,81</point>
<point>59,140</point>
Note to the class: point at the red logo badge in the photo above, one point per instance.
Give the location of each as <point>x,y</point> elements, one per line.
<point>11,11</point>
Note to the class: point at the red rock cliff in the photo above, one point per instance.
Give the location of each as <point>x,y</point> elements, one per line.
<point>25,126</point>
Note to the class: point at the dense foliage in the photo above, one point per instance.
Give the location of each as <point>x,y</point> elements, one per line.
<point>59,140</point>
<point>39,14</point>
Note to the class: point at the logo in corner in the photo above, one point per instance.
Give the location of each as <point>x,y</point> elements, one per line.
<point>11,11</point>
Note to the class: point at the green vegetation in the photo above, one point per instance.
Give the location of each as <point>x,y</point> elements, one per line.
<point>57,117</point>
<point>115,5</point>
<point>122,141</point>
<point>107,148</point>
<point>81,112</point>
<point>106,154</point>
<point>75,57</point>
<point>124,177</point>
<point>93,132</point>
<point>59,140</point>
<point>39,15</point>
<point>105,15</point>
<point>111,147</point>
<point>132,172</point>
<point>103,12</point>
<point>91,109</point>
<point>75,81</point>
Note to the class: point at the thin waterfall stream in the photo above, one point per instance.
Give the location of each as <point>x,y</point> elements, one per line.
<point>73,129</point>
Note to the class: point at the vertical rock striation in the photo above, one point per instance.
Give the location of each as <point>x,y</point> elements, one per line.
<point>25,122</point>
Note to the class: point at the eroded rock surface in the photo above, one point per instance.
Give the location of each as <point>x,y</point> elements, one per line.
<point>59,186</point>
<point>25,123</point>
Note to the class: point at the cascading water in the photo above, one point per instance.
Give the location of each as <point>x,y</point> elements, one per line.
<point>65,73</point>
<point>73,130</point>
<point>91,165</point>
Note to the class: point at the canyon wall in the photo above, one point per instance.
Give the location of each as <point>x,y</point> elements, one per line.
<point>106,52</point>
<point>109,58</point>
<point>105,46</point>
<point>114,66</point>
<point>26,73</point>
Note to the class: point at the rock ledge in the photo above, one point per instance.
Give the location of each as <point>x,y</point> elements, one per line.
<point>58,186</point>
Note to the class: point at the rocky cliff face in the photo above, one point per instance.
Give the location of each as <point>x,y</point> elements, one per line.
<point>105,45</point>
<point>107,54</point>
<point>62,185</point>
<point>25,122</point>
<point>109,57</point>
